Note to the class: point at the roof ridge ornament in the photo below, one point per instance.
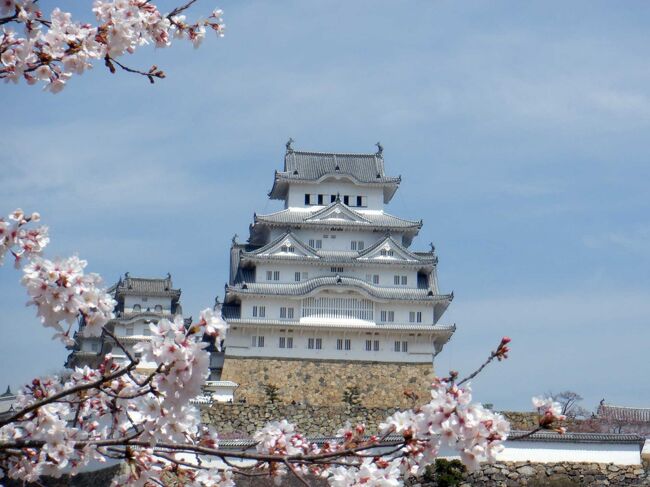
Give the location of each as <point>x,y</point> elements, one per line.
<point>380,149</point>
<point>288,144</point>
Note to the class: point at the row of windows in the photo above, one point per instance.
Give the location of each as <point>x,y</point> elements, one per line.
<point>272,275</point>
<point>257,341</point>
<point>322,199</point>
<point>327,307</point>
<point>398,280</point>
<point>130,331</point>
<point>386,316</point>
<point>137,308</point>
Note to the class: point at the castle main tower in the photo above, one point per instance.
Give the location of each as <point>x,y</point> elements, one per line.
<point>327,296</point>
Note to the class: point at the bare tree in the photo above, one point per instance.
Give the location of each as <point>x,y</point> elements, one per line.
<point>568,401</point>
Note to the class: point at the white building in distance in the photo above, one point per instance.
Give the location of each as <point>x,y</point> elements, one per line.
<point>326,295</point>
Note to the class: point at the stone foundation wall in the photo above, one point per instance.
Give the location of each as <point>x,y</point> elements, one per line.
<point>320,382</point>
<point>242,420</point>
<point>565,474</point>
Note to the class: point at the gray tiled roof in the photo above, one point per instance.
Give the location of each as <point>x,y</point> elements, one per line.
<point>365,168</point>
<point>382,220</point>
<point>569,437</point>
<point>401,327</point>
<point>147,287</point>
<point>540,436</point>
<point>327,257</point>
<point>621,413</point>
<point>305,287</point>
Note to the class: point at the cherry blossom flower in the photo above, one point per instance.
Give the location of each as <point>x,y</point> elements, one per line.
<point>22,243</point>
<point>52,50</point>
<point>550,413</point>
<point>146,418</point>
<point>61,293</point>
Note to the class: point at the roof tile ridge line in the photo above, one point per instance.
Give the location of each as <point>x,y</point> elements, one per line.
<point>288,233</point>
<point>625,407</point>
<point>309,282</point>
<point>332,205</point>
<point>320,153</point>
<point>418,222</point>
<point>146,278</point>
<point>388,237</point>
<point>256,215</point>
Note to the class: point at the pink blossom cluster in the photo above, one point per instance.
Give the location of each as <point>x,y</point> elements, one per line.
<point>144,417</point>
<point>52,50</point>
<point>62,292</point>
<point>19,241</point>
<point>450,419</point>
<point>550,413</point>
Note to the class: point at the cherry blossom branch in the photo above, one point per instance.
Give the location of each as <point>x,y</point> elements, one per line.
<point>153,72</point>
<point>65,393</point>
<point>51,51</point>
<point>114,412</point>
<point>500,353</point>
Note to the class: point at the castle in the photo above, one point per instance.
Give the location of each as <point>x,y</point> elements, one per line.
<point>326,295</point>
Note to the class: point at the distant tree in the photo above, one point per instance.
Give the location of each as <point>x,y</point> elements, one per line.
<point>568,401</point>
<point>445,473</point>
<point>271,391</point>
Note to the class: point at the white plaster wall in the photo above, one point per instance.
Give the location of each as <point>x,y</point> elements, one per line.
<point>150,303</point>
<point>420,347</point>
<point>288,270</point>
<point>296,194</point>
<point>139,327</point>
<point>273,305</point>
<point>548,452</point>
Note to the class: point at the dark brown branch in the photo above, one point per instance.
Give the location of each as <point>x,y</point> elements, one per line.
<point>492,356</point>
<point>153,73</point>
<point>180,9</point>
<point>67,392</point>
<point>525,435</point>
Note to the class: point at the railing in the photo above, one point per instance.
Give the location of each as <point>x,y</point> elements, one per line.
<point>342,308</point>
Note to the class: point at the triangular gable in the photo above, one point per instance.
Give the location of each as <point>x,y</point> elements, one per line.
<point>337,211</point>
<point>288,246</point>
<point>387,250</point>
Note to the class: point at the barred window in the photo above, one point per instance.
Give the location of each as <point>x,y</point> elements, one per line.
<point>344,308</point>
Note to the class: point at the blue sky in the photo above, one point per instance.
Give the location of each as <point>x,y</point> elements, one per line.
<point>520,131</point>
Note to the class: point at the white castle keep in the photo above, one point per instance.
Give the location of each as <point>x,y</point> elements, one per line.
<point>330,280</point>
